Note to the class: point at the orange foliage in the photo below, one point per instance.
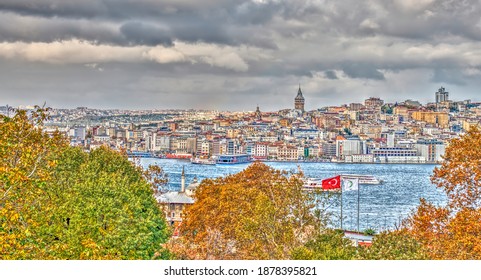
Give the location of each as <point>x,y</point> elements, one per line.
<point>454,231</point>
<point>460,174</point>
<point>259,213</point>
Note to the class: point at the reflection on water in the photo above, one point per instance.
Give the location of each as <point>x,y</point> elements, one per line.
<point>381,206</point>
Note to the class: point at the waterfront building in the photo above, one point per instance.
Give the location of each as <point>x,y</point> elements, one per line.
<point>260,150</point>
<point>390,140</point>
<point>299,100</point>
<point>368,158</point>
<point>204,147</point>
<point>162,142</point>
<point>288,153</point>
<point>328,149</point>
<point>393,152</point>
<point>432,149</point>
<point>351,146</point>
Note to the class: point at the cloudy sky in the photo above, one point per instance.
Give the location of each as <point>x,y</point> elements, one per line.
<point>233,55</point>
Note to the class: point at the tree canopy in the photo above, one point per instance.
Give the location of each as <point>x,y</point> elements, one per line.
<point>453,231</point>
<point>59,202</point>
<point>258,213</point>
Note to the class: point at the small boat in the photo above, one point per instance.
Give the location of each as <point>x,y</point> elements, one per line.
<point>316,184</point>
<point>363,179</point>
<point>233,159</point>
<point>311,184</point>
<point>206,161</point>
<point>178,156</point>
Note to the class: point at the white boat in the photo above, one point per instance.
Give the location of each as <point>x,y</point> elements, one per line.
<point>207,161</point>
<point>363,179</point>
<point>311,184</point>
<point>316,184</point>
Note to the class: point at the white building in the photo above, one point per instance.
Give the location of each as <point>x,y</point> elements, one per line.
<point>350,147</point>
<point>432,150</point>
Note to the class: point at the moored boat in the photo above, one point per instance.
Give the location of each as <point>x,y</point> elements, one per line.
<point>363,179</point>
<point>233,159</point>
<point>316,184</point>
<point>179,156</point>
<point>312,184</point>
<point>207,161</point>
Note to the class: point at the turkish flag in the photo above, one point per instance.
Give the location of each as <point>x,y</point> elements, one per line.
<point>332,183</point>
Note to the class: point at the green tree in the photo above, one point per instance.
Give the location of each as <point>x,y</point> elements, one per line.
<point>328,245</point>
<point>58,202</point>
<point>107,211</point>
<point>27,162</point>
<point>395,245</point>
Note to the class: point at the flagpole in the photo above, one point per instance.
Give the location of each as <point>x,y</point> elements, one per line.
<point>358,191</point>
<point>341,207</point>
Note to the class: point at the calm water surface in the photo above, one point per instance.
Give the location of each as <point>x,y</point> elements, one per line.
<point>381,206</point>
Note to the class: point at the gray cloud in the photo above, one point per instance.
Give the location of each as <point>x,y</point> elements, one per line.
<point>357,70</point>
<point>330,75</point>
<point>227,50</point>
<point>138,33</point>
<point>449,76</point>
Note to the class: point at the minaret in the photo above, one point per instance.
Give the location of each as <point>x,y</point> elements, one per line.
<point>299,100</point>
<point>182,181</point>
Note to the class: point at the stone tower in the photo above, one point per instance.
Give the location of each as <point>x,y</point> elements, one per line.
<point>299,100</point>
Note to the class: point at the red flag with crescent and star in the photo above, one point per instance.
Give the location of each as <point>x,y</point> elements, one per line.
<point>332,183</point>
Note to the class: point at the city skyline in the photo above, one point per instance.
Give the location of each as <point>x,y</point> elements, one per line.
<point>231,55</point>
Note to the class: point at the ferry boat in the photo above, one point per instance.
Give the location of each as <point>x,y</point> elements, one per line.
<point>136,154</point>
<point>363,179</point>
<point>179,156</point>
<point>311,184</point>
<point>233,159</point>
<point>316,184</point>
<point>206,161</point>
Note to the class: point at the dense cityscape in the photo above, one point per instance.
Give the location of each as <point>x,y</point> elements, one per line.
<point>239,130</point>
<point>368,132</point>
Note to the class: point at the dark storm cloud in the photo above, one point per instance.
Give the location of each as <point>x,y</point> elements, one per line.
<point>160,49</point>
<point>330,75</point>
<point>50,30</point>
<point>449,76</point>
<point>434,20</point>
<point>138,33</point>
<point>222,21</point>
<point>108,9</point>
<point>365,71</point>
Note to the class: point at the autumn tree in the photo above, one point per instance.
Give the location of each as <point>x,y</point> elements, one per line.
<point>460,174</point>
<point>59,202</point>
<point>28,157</point>
<point>258,213</point>
<point>453,231</point>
